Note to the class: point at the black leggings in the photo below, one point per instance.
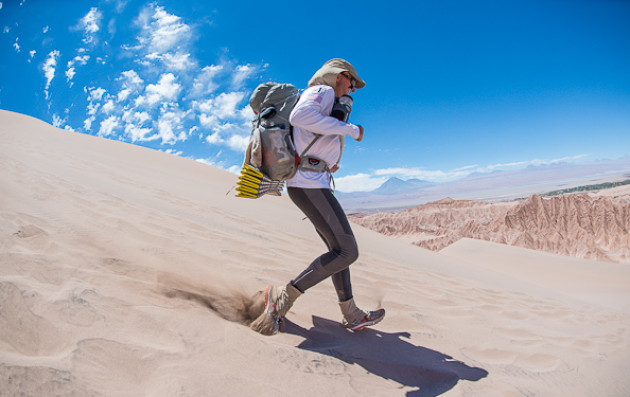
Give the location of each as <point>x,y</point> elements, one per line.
<point>324,211</point>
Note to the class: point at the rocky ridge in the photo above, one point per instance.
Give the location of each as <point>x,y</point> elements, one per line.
<point>583,226</point>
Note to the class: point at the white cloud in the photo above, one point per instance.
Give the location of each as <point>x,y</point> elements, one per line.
<point>208,121</point>
<point>206,161</point>
<point>108,125</point>
<point>140,100</point>
<point>164,38</point>
<point>528,162</point>
<point>137,133</point>
<point>235,169</point>
<point>173,152</point>
<point>215,139</point>
<point>222,107</point>
<point>170,124</point>
<point>82,60</point>
<point>45,30</point>
<point>238,142</point>
<point>423,174</point>
<point>16,45</point>
<point>136,117</point>
<point>467,167</point>
<point>165,89</point>
<point>166,31</point>
<point>130,79</point>
<point>358,183</point>
<point>96,94</point>
<point>226,103</point>
<point>131,83</point>
<point>242,73</point>
<point>246,113</point>
<point>58,122</point>
<point>93,108</point>
<point>70,74</point>
<point>173,61</point>
<point>87,123</point>
<point>205,82</point>
<point>49,69</point>
<point>123,95</point>
<point>109,106</point>
<point>120,5</point>
<point>90,24</point>
<point>166,128</point>
<point>237,137</point>
<point>111,27</point>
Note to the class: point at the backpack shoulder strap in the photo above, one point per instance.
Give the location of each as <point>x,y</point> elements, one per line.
<point>310,145</point>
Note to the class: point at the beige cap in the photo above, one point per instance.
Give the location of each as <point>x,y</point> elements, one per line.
<point>334,67</point>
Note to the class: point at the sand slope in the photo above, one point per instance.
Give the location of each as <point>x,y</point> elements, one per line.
<point>126,272</point>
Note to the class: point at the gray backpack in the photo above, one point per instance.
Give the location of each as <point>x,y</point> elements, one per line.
<point>270,157</point>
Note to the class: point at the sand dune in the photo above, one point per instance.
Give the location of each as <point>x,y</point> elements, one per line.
<point>130,272</point>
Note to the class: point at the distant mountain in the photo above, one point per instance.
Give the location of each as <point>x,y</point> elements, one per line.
<point>395,186</point>
<point>396,194</point>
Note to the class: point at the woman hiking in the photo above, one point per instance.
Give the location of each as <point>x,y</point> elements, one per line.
<point>315,131</point>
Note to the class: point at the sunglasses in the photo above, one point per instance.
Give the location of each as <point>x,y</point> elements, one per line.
<point>353,82</point>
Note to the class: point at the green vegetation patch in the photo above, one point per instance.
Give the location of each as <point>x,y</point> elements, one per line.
<point>587,188</point>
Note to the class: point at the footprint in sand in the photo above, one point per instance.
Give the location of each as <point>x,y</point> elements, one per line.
<point>20,381</point>
<point>29,231</point>
<point>500,311</point>
<point>77,311</point>
<point>26,332</point>
<point>459,312</point>
<point>533,363</point>
<point>586,348</point>
<point>490,356</point>
<point>539,363</point>
<point>98,361</point>
<point>518,334</point>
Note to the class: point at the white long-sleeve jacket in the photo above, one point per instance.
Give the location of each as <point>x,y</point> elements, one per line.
<point>310,116</point>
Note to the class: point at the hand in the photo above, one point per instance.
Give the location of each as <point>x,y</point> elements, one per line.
<point>361,129</point>
<point>334,168</point>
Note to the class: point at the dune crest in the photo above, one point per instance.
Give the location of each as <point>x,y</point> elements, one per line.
<point>581,226</point>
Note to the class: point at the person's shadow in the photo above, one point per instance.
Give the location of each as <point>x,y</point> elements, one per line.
<point>386,355</point>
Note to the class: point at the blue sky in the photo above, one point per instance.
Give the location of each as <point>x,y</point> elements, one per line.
<point>453,87</point>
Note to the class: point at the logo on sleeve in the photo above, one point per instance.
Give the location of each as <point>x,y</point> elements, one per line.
<point>316,95</point>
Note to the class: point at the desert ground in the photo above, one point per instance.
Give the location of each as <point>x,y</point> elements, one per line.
<point>129,272</point>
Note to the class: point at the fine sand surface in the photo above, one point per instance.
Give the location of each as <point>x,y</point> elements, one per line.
<point>128,272</point>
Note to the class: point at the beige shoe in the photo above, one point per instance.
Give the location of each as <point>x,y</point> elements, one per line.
<point>356,319</point>
<point>278,301</point>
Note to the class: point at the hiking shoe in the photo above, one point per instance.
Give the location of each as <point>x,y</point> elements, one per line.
<point>278,301</point>
<point>372,318</point>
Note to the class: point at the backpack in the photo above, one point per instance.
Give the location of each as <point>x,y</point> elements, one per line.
<point>270,157</point>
